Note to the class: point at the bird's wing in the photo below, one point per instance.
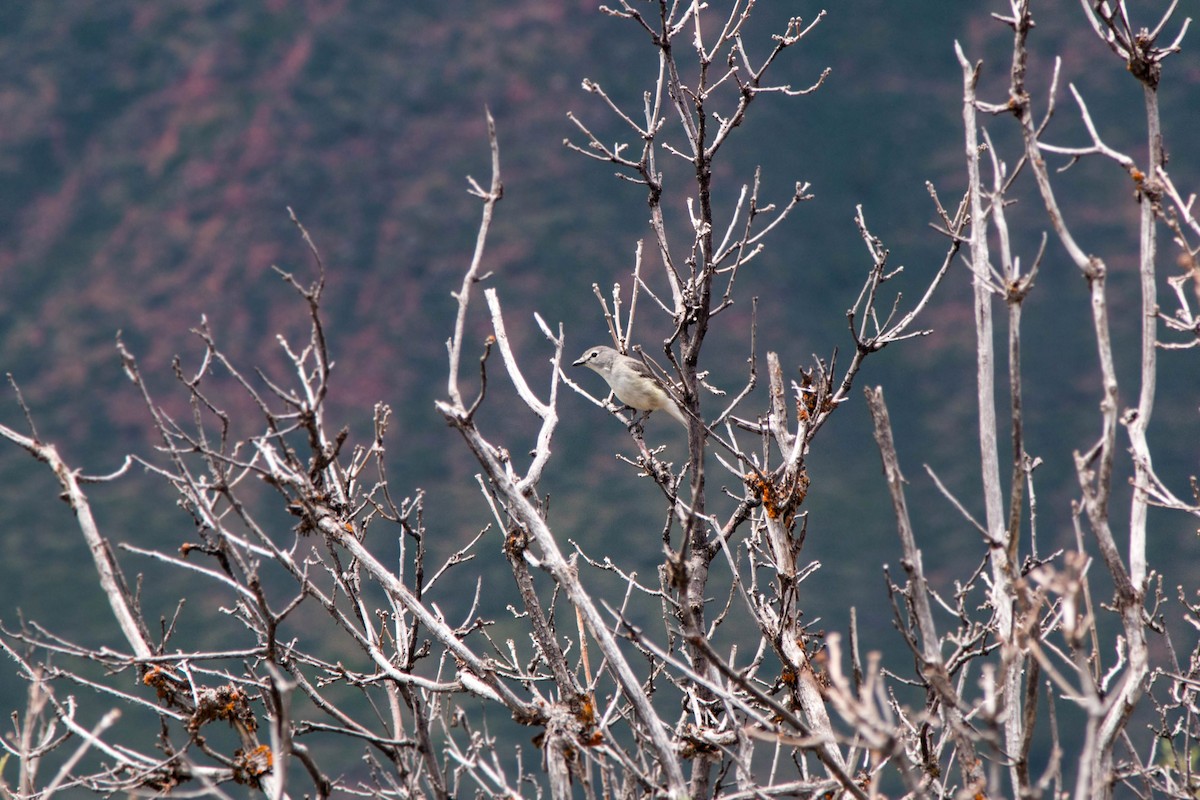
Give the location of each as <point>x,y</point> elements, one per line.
<point>641,369</point>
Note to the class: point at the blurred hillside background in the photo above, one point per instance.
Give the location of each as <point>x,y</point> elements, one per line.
<point>149,151</point>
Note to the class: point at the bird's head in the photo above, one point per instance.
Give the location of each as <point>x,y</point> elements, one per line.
<point>598,358</point>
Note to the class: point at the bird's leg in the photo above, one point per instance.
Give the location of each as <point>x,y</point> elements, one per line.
<point>637,422</point>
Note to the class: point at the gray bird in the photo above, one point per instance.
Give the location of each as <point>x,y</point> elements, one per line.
<point>631,381</point>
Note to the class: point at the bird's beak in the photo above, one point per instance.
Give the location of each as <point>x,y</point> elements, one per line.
<point>578,363</point>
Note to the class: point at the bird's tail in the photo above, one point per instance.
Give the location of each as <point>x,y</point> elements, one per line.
<point>676,412</point>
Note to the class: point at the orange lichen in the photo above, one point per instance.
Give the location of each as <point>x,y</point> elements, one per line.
<point>228,703</point>
<point>249,767</point>
<point>162,683</point>
<point>586,712</point>
<point>779,497</point>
